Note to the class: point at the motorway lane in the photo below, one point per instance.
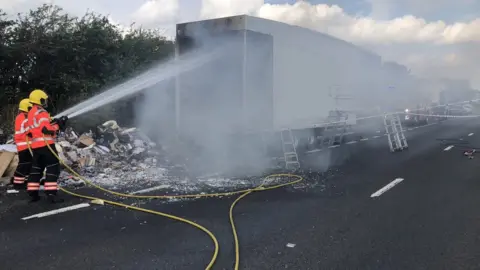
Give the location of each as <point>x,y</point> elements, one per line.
<point>411,226</point>
<point>425,222</point>
<point>420,139</point>
<point>103,237</point>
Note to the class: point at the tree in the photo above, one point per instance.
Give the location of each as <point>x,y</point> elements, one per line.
<point>6,58</point>
<point>71,58</point>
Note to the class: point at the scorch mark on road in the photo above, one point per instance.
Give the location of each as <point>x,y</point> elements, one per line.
<point>387,187</point>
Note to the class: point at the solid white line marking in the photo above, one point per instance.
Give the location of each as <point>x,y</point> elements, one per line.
<point>364,139</point>
<point>58,211</point>
<point>387,187</point>
<point>314,151</point>
<point>471,134</point>
<point>448,148</point>
<point>150,189</point>
<point>352,142</point>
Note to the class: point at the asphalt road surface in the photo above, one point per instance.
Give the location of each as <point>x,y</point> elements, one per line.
<point>340,219</point>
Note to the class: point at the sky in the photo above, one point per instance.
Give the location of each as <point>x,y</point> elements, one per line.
<point>434,38</point>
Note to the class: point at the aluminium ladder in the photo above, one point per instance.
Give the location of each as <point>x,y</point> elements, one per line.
<point>333,132</point>
<point>289,149</point>
<point>395,133</point>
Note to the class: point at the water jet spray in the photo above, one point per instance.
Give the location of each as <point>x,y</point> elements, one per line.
<point>153,76</point>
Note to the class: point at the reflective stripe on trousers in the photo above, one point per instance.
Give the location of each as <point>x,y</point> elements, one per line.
<point>33,186</point>
<point>18,180</point>
<point>50,186</point>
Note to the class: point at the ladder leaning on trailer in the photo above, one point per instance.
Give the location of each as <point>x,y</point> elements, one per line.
<point>395,133</point>
<point>289,149</point>
<point>334,131</point>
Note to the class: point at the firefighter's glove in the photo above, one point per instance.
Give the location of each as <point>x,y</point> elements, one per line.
<point>64,119</point>
<point>61,122</point>
<point>46,131</point>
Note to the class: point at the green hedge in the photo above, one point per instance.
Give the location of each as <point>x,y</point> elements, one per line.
<point>72,58</point>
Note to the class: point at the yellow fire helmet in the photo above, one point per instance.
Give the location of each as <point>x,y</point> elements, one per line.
<point>38,97</point>
<point>25,105</point>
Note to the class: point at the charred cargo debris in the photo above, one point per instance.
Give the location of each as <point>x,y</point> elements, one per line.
<point>126,159</point>
<point>111,155</point>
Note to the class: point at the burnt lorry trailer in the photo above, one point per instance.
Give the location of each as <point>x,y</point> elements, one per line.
<point>279,83</point>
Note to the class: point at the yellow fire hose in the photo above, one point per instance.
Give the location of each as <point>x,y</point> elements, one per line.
<point>243,193</point>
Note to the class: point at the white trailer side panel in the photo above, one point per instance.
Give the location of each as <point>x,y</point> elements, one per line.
<point>232,92</point>
<point>308,67</point>
<point>297,71</point>
<point>300,95</point>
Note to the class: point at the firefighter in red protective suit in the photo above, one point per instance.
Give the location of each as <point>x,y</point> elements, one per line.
<point>20,138</point>
<point>43,131</point>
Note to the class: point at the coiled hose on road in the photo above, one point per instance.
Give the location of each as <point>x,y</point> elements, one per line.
<point>262,187</point>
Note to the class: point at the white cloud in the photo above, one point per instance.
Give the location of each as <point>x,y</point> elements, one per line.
<point>157,12</point>
<point>407,29</point>
<point>385,8</point>
<point>16,6</point>
<point>223,8</point>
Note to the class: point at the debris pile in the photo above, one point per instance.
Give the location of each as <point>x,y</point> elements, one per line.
<point>108,150</point>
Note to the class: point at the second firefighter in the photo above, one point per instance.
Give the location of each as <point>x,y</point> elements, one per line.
<point>43,132</point>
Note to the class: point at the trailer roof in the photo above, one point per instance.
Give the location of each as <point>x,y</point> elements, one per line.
<point>269,21</point>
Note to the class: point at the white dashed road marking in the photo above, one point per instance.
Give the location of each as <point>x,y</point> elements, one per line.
<point>350,142</point>
<point>150,189</point>
<point>471,134</point>
<point>334,146</point>
<point>58,211</point>
<point>387,187</point>
<point>448,148</point>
